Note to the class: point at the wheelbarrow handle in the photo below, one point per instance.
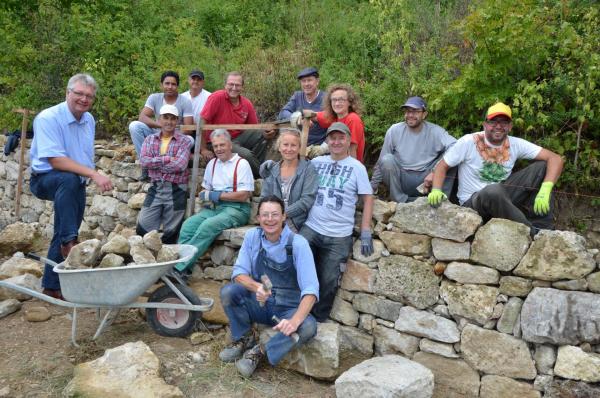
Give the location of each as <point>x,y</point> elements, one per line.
<point>41,259</point>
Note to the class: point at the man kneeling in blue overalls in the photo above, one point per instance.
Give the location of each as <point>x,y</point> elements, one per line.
<point>274,283</point>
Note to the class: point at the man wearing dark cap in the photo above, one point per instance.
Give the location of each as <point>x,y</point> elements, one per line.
<point>485,161</point>
<point>310,97</point>
<point>410,151</point>
<point>196,94</point>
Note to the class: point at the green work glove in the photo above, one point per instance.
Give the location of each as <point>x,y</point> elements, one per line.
<point>435,197</point>
<point>541,205</point>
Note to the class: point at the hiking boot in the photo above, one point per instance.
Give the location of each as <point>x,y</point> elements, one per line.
<point>247,365</point>
<point>235,349</point>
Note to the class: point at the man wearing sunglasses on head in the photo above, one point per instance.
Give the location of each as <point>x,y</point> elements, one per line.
<point>486,183</point>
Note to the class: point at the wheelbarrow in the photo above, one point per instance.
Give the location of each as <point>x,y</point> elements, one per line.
<point>172,310</point>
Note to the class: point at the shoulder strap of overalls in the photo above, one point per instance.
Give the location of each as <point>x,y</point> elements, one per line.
<point>289,248</point>
<point>234,173</point>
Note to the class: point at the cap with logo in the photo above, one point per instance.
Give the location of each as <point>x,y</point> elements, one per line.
<point>338,126</point>
<point>498,109</point>
<point>168,109</point>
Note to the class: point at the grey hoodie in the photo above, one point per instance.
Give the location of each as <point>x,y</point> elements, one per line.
<point>302,192</point>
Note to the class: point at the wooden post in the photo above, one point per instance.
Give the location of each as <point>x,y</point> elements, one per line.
<point>194,182</point>
<point>24,122</point>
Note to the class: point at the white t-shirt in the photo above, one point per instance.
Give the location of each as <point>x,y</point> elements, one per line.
<point>222,180</point>
<point>197,102</point>
<point>340,183</point>
<point>470,164</point>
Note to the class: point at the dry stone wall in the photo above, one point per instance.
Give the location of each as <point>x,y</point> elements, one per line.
<point>489,311</point>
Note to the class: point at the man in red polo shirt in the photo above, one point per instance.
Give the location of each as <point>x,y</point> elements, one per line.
<point>228,106</point>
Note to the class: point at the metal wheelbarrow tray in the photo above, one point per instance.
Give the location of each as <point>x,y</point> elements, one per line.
<point>172,310</point>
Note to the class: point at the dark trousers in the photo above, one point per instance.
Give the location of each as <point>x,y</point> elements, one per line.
<point>252,146</point>
<point>513,198</point>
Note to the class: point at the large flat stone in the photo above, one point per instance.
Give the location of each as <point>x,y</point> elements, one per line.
<point>454,378</point>
<point>20,237</point>
<point>407,244</point>
<point>359,277</point>
<point>18,265</point>
<point>380,307</point>
<point>573,363</point>
<point>390,341</point>
<point>475,302</point>
<point>353,340</point>
<point>561,317</point>
<point>447,221</point>
<point>496,353</point>
<point>448,250</point>
<point>426,324</point>
<point>343,312</point>
<point>387,376</point>
<point>504,387</point>
<point>407,280</point>
<point>467,273</point>
<point>556,255</point>
<point>500,244</point>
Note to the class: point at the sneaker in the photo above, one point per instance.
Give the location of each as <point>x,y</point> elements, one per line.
<point>247,365</point>
<point>234,350</point>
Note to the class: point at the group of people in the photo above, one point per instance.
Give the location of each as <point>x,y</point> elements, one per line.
<point>289,267</point>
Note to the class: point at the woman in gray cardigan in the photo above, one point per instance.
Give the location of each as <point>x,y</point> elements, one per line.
<point>292,179</point>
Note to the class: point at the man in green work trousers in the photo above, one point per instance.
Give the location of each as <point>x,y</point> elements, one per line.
<point>485,161</point>
<point>228,185</point>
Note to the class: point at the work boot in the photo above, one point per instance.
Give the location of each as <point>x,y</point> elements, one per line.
<point>235,349</point>
<point>54,293</point>
<point>65,248</point>
<point>247,365</point>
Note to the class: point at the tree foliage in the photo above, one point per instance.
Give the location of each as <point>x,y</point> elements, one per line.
<point>541,57</point>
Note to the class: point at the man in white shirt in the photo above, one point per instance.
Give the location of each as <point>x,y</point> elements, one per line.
<point>485,161</point>
<point>196,94</point>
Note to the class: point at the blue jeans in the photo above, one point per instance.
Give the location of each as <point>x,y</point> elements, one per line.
<point>330,254</point>
<point>242,309</point>
<point>138,132</point>
<point>67,191</point>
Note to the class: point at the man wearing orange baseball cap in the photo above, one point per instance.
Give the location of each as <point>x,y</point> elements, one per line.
<point>485,180</point>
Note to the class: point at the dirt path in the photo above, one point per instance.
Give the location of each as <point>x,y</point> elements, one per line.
<point>37,359</point>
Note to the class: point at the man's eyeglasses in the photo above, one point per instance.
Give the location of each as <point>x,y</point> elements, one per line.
<point>502,123</point>
<point>273,215</point>
<point>231,85</point>
<point>410,111</point>
<point>79,94</point>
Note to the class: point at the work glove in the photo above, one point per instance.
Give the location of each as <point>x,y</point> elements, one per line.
<point>541,205</point>
<point>435,197</point>
<point>366,243</point>
<point>210,196</point>
<point>296,119</point>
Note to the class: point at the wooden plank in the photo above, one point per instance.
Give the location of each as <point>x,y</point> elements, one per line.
<point>260,126</point>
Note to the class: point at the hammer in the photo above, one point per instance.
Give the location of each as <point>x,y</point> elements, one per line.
<point>266,285</point>
<point>25,113</point>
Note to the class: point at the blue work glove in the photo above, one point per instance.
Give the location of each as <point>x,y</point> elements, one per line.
<point>210,196</point>
<point>435,197</point>
<point>366,243</point>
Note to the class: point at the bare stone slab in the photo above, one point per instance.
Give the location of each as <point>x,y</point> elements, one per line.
<point>545,358</point>
<point>380,307</point>
<point>343,312</point>
<point>500,244</point>
<point>561,317</point>
<point>390,341</point>
<point>353,340</point>
<point>467,273</point>
<point>426,324</point>
<point>407,244</point>
<point>434,347</point>
<point>573,363</point>
<point>475,302</point>
<point>515,286</point>
<point>504,387</point>
<point>448,250</point>
<point>359,277</point>
<point>510,315</point>
<point>454,378</point>
<point>572,389</point>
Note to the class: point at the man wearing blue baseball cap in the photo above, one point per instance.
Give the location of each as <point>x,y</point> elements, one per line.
<point>410,151</point>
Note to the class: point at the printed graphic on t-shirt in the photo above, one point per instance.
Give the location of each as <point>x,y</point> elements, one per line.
<point>492,172</point>
<point>332,178</point>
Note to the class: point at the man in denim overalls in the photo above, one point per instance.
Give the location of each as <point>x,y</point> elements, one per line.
<point>273,254</point>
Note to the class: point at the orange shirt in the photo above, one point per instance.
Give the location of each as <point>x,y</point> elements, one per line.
<point>356,126</point>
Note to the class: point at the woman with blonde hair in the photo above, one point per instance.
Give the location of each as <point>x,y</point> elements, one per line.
<point>293,180</point>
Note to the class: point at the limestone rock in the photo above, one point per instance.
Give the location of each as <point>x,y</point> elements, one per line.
<point>593,281</point>
<point>123,169</point>
<point>475,302</point>
<point>378,248</point>
<point>26,280</point>
<point>382,211</point>
<point>131,370</point>
<point>359,277</point>
<point>561,317</point>
<point>426,324</point>
<point>223,255</point>
<point>467,273</point>
<point>210,289</point>
<point>142,255</point>
<point>353,340</point>
<point>366,322</point>
<point>37,314</point>
<point>380,307</point>
<point>497,353</point>
<point>9,306</point>
<point>388,376</point>
<point>200,337</point>
<point>127,215</point>
<point>319,358</point>
<point>84,254</point>
<point>515,286</point>
<point>447,221</point>
<point>136,201</point>
<point>390,341</point>
<point>104,206</point>
<point>504,387</point>
<point>454,378</point>
<point>448,250</point>
<point>117,245</point>
<point>111,260</point>
<point>437,348</point>
<point>220,273</point>
<point>16,266</point>
<point>574,284</point>
<point>135,240</point>
<point>167,253</point>
<point>235,236</point>
<point>343,312</point>
<point>545,358</point>
<point>407,244</point>
<point>573,363</point>
<point>556,255</point>
<point>572,389</point>
<point>510,314</point>
<point>19,237</point>
<point>407,280</point>
<point>152,241</point>
<point>500,244</point>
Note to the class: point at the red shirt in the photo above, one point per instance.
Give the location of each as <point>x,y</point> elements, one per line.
<point>356,126</point>
<point>219,110</point>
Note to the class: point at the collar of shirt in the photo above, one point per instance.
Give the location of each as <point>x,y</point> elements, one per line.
<point>68,116</point>
<point>234,158</point>
<point>282,238</point>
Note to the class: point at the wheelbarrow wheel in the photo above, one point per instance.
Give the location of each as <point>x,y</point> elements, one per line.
<point>171,322</point>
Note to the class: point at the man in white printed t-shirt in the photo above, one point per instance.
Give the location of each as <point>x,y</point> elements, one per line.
<point>485,161</point>
<point>228,185</point>
<point>328,228</point>
<point>196,94</point>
